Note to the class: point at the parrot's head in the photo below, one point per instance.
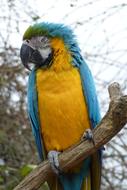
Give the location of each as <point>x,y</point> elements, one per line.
<point>38,47</point>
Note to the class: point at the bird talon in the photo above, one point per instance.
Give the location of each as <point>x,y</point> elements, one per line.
<point>88,134</point>
<point>54,162</point>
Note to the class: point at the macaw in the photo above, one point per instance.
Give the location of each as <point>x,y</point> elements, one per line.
<point>62,101</point>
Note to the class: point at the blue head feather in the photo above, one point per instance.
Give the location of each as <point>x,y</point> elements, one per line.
<point>52,30</point>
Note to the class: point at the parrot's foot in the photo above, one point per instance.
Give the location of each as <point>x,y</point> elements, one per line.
<point>53,159</point>
<point>88,135</point>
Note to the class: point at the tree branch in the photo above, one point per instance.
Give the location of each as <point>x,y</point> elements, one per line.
<point>110,125</point>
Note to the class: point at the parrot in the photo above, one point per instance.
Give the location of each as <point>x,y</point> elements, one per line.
<point>62,102</point>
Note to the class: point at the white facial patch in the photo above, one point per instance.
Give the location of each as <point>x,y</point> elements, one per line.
<point>45,52</point>
<point>40,43</point>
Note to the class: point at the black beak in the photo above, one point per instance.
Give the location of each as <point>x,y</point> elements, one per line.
<point>29,54</point>
<point>25,54</point>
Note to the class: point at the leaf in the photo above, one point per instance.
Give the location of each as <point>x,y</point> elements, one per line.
<point>26,169</point>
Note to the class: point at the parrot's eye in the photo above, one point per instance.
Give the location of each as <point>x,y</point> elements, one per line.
<point>42,39</point>
<point>27,41</point>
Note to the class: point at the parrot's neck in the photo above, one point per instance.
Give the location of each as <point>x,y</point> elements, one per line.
<point>62,57</point>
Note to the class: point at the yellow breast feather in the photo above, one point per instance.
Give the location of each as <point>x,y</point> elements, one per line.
<point>62,107</point>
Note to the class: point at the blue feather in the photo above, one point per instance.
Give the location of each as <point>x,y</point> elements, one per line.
<point>73,181</point>
<point>86,79</point>
<point>90,94</point>
<point>33,112</point>
<point>90,97</point>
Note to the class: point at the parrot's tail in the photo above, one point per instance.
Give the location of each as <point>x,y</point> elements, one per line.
<point>54,183</point>
<point>86,184</point>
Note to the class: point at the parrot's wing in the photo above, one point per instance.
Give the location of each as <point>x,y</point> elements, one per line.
<point>94,114</point>
<point>87,85</point>
<point>33,112</point>
<point>89,93</point>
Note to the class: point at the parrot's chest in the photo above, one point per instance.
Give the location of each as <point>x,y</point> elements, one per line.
<point>62,108</point>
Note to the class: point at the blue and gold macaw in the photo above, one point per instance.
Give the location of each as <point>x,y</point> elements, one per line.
<point>62,101</point>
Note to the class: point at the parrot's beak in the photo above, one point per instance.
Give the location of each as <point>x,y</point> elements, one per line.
<point>30,55</point>
<point>25,54</point>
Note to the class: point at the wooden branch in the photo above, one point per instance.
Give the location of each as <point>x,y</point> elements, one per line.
<point>110,125</point>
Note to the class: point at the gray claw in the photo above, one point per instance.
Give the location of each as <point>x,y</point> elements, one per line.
<point>53,159</point>
<point>88,135</point>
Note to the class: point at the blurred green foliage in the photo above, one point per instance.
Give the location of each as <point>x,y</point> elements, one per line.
<point>10,177</point>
